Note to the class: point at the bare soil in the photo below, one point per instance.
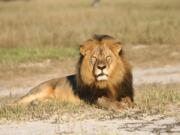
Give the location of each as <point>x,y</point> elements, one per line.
<point>145,125</point>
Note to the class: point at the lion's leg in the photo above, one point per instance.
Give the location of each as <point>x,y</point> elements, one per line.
<point>66,94</point>
<point>36,94</point>
<point>115,105</point>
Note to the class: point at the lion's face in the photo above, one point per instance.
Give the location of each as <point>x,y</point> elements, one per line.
<point>100,61</point>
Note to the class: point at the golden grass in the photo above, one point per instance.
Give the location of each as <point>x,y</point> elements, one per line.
<point>38,110</point>
<point>67,23</point>
<point>34,30</point>
<point>157,98</point>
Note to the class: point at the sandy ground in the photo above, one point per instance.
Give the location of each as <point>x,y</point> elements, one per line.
<point>164,75</point>
<point>141,125</point>
<point>149,125</point>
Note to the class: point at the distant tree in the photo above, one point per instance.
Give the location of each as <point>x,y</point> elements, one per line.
<point>96,3</point>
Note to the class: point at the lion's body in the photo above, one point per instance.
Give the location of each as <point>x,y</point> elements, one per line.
<point>63,89</point>
<point>114,81</point>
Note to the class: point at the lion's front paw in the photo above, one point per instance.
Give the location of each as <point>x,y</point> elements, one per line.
<point>114,105</point>
<point>101,101</point>
<point>109,104</point>
<point>127,102</point>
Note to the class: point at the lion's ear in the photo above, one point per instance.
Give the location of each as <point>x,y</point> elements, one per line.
<point>83,50</point>
<point>117,48</point>
<point>86,47</point>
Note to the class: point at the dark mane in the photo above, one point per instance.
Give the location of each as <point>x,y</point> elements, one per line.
<point>101,37</point>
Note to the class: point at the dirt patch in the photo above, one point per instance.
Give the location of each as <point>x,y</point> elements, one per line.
<point>164,75</point>
<point>144,125</point>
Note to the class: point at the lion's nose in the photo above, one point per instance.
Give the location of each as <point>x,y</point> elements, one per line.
<point>101,66</point>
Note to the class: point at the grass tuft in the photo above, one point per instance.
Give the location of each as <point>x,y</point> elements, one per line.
<point>156,98</point>
<point>37,111</point>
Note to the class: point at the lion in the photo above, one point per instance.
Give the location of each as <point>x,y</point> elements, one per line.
<point>103,77</point>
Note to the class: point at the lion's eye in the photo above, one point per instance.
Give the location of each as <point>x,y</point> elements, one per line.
<point>108,58</point>
<point>93,59</point>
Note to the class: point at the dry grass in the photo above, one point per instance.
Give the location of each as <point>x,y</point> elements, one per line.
<point>67,23</point>
<point>39,110</point>
<point>150,99</point>
<point>158,98</point>
<point>55,24</point>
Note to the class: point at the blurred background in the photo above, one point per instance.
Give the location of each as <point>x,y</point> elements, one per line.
<point>39,39</point>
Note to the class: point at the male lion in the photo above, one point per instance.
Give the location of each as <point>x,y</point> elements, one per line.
<point>103,77</point>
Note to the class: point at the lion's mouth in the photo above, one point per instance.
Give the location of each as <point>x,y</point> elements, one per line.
<point>102,77</point>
